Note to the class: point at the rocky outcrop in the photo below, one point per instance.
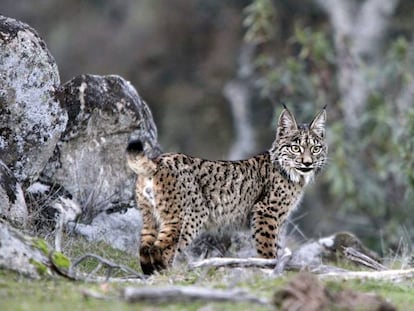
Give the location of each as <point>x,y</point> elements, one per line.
<point>12,203</point>
<point>89,161</point>
<point>31,119</point>
<point>66,144</point>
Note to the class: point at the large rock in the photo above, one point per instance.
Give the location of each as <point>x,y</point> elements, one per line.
<point>89,162</point>
<point>12,202</point>
<point>31,119</point>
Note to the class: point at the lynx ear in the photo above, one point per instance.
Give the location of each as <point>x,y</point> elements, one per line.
<point>286,123</point>
<point>318,123</point>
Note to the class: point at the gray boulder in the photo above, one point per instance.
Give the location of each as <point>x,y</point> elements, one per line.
<point>120,230</point>
<point>72,136</point>
<point>31,119</point>
<point>89,160</point>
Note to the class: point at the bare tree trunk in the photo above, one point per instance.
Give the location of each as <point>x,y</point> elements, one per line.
<point>358,28</point>
<point>238,93</point>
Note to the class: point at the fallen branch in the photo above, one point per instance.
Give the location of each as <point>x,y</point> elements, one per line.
<point>187,294</point>
<point>110,266</point>
<point>262,264</point>
<point>234,262</point>
<point>359,258</point>
<point>387,275</point>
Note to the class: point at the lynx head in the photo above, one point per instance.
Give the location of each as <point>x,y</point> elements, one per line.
<point>300,150</point>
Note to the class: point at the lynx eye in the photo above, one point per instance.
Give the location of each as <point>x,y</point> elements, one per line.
<point>295,148</point>
<point>316,149</point>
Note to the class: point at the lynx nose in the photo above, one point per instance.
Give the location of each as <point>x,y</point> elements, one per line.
<point>307,160</point>
<point>307,163</point>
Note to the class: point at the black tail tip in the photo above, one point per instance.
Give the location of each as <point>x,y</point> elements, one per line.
<point>135,146</point>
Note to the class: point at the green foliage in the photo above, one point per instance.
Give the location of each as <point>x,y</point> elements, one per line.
<point>304,74</point>
<point>259,21</point>
<point>406,150</point>
<point>372,174</point>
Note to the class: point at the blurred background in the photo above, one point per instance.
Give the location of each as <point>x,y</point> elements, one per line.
<point>215,73</point>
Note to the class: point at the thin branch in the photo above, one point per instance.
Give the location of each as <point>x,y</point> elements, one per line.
<point>187,294</point>
<point>110,265</point>
<point>362,259</point>
<point>387,275</point>
<point>263,264</point>
<point>234,262</point>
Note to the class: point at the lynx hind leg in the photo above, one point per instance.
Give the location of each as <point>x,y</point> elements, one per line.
<point>170,217</point>
<point>266,225</point>
<point>176,234</point>
<point>149,232</point>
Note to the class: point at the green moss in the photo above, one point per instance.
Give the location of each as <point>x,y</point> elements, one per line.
<point>60,260</point>
<point>41,245</point>
<point>41,268</point>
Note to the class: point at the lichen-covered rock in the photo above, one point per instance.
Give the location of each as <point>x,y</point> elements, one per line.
<point>23,254</point>
<point>104,112</point>
<point>31,119</point>
<point>12,203</point>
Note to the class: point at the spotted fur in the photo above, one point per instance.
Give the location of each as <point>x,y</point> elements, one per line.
<point>180,195</point>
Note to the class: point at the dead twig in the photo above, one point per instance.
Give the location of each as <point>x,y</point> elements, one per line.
<point>102,262</point>
<point>387,275</point>
<point>187,294</point>
<point>262,264</point>
<point>359,258</point>
<point>217,262</point>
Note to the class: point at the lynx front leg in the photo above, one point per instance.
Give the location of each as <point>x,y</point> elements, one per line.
<point>266,226</point>
<point>193,223</point>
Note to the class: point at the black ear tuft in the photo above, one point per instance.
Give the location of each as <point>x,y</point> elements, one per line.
<point>135,146</point>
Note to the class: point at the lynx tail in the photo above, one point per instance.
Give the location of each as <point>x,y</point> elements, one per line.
<point>138,161</point>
